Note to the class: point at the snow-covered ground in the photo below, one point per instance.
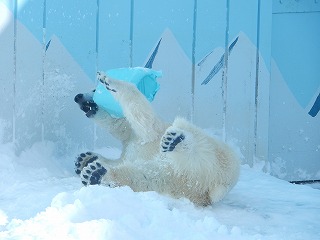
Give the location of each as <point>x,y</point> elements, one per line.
<point>41,198</point>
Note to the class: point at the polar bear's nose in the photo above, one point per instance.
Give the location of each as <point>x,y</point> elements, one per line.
<point>78,97</point>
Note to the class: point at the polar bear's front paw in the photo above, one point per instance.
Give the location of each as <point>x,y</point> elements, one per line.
<point>170,140</point>
<point>93,173</point>
<point>102,77</point>
<point>83,160</point>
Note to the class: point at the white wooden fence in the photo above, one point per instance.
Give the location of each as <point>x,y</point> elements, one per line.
<point>217,62</point>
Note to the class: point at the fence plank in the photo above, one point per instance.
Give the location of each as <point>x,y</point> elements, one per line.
<point>263,81</point>
<point>70,66</point>
<point>172,22</point>
<point>29,76</point>
<point>241,78</point>
<point>75,26</point>
<point>113,47</point>
<point>7,77</point>
<point>211,26</point>
<point>114,34</point>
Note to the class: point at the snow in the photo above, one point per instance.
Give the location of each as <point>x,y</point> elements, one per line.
<point>41,198</point>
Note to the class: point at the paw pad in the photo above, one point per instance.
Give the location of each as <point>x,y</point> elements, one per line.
<point>83,160</point>
<point>92,174</point>
<point>170,141</point>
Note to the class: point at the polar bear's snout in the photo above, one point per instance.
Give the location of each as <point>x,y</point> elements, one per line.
<point>78,98</point>
<point>86,104</point>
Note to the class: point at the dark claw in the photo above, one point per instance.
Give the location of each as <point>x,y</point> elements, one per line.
<point>170,145</point>
<point>178,140</point>
<point>84,183</point>
<point>112,90</point>
<point>105,83</point>
<point>107,86</point>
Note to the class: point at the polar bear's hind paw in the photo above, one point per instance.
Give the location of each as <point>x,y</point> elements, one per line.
<point>105,81</point>
<point>93,173</point>
<point>170,140</point>
<point>83,160</point>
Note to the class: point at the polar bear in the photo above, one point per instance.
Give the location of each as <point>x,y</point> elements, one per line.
<point>177,159</point>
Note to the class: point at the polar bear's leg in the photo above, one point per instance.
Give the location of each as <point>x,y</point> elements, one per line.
<point>146,176</point>
<point>117,127</point>
<point>143,176</point>
<point>136,108</point>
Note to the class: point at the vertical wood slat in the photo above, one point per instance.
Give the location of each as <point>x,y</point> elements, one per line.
<point>114,34</point>
<point>28,75</point>
<point>211,28</point>
<point>172,22</point>
<point>44,44</point>
<point>131,31</point>
<point>224,85</point>
<point>14,107</point>
<point>256,93</point>
<point>241,84</point>
<point>7,79</point>
<point>114,47</point>
<point>69,29</point>
<point>263,79</point>
<point>193,58</point>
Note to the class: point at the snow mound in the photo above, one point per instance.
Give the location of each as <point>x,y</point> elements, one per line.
<point>41,198</point>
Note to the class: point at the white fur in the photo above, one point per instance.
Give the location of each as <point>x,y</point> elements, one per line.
<point>200,168</point>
